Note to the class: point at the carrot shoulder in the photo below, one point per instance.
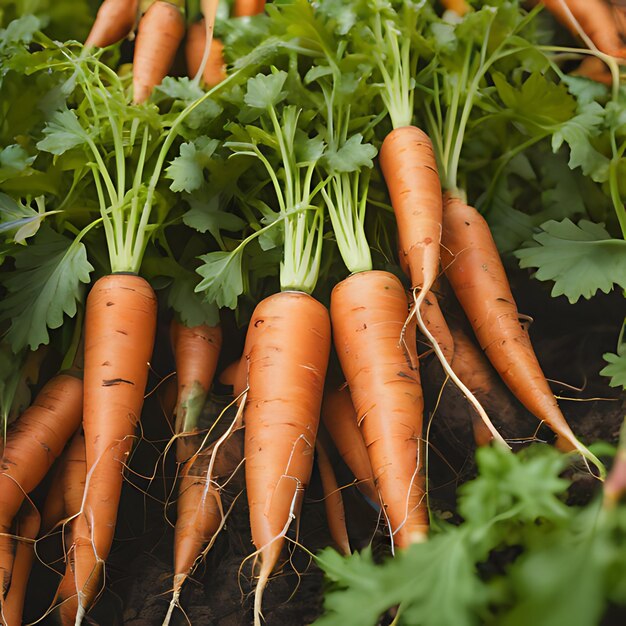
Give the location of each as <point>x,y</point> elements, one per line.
<point>161,29</point>
<point>368,312</point>
<point>475,271</point>
<point>247,8</point>
<point>120,324</point>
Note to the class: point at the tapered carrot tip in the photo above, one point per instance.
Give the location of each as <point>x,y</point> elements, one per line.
<point>269,556</point>
<point>90,592</point>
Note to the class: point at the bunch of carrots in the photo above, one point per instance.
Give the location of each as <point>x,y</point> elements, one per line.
<point>300,186</point>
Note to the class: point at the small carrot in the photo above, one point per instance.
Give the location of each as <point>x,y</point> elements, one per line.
<point>26,529</point>
<point>368,312</point>
<point>120,325</point>
<point>473,266</point>
<point>115,19</point>
<point>333,501</point>
<point>161,29</point>
<point>286,353</point>
<point>460,7</point>
<point>214,70</point>
<point>32,445</point>
<point>247,8</point>
<point>340,420</point>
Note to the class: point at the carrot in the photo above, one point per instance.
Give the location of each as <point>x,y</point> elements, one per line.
<point>26,529</point>
<point>53,509</point>
<point>593,18</point>
<point>247,8</point>
<point>33,443</point>
<point>460,7</point>
<point>214,71</point>
<point>161,29</point>
<point>436,323</point>
<point>408,164</point>
<point>196,351</point>
<point>340,420</point>
<point>120,324</point>
<point>115,19</point>
<point>476,274</point>
<point>615,483</point>
<point>286,351</point>
<point>333,502</point>
<point>368,312</point>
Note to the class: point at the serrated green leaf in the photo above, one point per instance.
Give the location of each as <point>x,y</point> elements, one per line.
<point>190,307</point>
<point>265,90</point>
<point>14,160</point>
<point>222,278</point>
<point>186,171</point>
<point>616,368</point>
<point>580,259</point>
<point>45,286</point>
<point>351,156</point>
<point>62,133</point>
<point>206,216</point>
<point>307,149</point>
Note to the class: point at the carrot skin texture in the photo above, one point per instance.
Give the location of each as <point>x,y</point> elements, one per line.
<point>27,527</point>
<point>437,325</point>
<point>160,32</point>
<point>475,272</point>
<point>340,420</point>
<point>33,443</point>
<point>215,69</point>
<point>120,325</point>
<point>368,312</point>
<point>114,21</point>
<point>247,8</point>
<point>333,501</point>
<point>196,351</point>
<point>287,350</point>
<point>407,160</point>
<point>595,19</point>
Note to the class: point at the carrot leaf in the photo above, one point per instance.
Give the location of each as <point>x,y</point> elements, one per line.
<point>580,258</point>
<point>44,287</point>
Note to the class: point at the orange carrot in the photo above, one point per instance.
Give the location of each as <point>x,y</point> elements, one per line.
<point>26,528</point>
<point>615,484</point>
<point>410,170</point>
<point>333,502</point>
<point>594,18</point>
<point>460,7</point>
<point>436,323</point>
<point>115,19</point>
<point>286,352</point>
<point>196,351</point>
<point>368,312</point>
<point>247,8</point>
<point>120,324</point>
<point>161,29</point>
<point>214,71</point>
<point>475,271</point>
<point>340,420</point>
<point>33,443</point>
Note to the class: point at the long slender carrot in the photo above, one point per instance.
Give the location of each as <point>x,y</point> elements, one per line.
<point>247,8</point>
<point>286,351</point>
<point>196,351</point>
<point>594,18</point>
<point>26,529</point>
<point>475,271</point>
<point>161,29</point>
<point>368,312</point>
<point>115,19</point>
<point>333,501</point>
<point>120,325</point>
<point>435,322</point>
<point>33,443</point>
<point>340,420</point>
<point>214,71</point>
<point>408,163</point>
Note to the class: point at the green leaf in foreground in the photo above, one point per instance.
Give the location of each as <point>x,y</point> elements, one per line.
<point>45,285</point>
<point>222,278</point>
<point>616,367</point>
<point>189,305</point>
<point>580,258</point>
<point>187,170</point>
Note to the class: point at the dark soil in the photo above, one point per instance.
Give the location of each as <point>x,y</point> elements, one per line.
<point>569,340</point>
